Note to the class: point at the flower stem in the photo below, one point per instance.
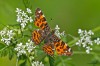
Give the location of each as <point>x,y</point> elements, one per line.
<point>17,62</point>
<point>82,52</point>
<point>96,29</point>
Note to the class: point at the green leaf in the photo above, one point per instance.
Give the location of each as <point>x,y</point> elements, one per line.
<point>23,61</point>
<point>94,62</point>
<point>2,45</point>
<point>26,3</point>
<point>51,60</point>
<point>3,51</point>
<point>11,54</point>
<point>23,64</point>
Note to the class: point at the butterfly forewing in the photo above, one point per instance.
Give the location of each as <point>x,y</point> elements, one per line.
<point>40,20</point>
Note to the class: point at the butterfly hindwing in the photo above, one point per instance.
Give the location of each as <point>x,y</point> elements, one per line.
<point>37,36</point>
<point>49,49</point>
<point>61,47</point>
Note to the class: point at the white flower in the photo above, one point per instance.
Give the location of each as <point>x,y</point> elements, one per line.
<point>18,10</point>
<point>7,41</point>
<point>79,42</point>
<point>85,33</point>
<point>80,32</point>
<point>25,20</point>
<point>29,46</point>
<point>19,18</point>
<point>37,63</point>
<point>10,33</point>
<point>88,40</point>
<point>28,10</point>
<point>2,33</point>
<point>84,44</point>
<point>97,41</point>
<point>26,16</point>
<point>23,24</point>
<point>57,28</point>
<point>30,19</point>
<point>57,33</point>
<point>88,50</point>
<point>90,32</point>
<point>23,13</point>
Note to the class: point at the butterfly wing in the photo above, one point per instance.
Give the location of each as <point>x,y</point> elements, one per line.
<point>40,20</point>
<point>49,49</point>
<point>61,47</point>
<point>37,36</point>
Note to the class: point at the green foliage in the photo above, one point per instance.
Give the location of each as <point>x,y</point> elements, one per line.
<point>51,60</point>
<point>6,50</point>
<point>23,61</point>
<point>11,52</point>
<point>27,3</point>
<point>1,46</point>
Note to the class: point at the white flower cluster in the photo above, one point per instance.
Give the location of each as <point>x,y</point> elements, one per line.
<point>23,49</point>
<point>57,33</point>
<point>85,40</point>
<point>29,46</point>
<point>6,35</point>
<point>23,17</point>
<point>27,49</point>
<point>20,49</point>
<point>37,63</point>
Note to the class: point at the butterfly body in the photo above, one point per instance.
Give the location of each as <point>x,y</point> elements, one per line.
<point>51,41</point>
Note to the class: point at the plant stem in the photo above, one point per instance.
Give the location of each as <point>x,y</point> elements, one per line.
<point>17,62</point>
<point>28,57</point>
<point>82,52</point>
<point>78,52</point>
<point>96,29</point>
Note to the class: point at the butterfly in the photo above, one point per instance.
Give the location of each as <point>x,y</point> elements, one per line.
<point>51,41</point>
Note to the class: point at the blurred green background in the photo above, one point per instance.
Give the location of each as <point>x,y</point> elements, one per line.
<point>70,15</point>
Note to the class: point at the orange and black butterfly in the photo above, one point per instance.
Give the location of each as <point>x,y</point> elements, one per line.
<point>51,41</point>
